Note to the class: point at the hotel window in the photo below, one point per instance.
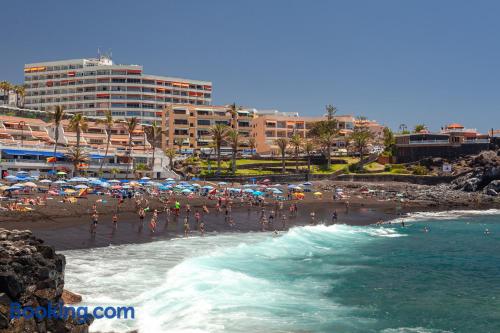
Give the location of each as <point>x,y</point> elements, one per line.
<point>133,105</point>
<point>148,81</point>
<point>116,80</point>
<point>133,80</point>
<point>204,122</point>
<point>183,112</point>
<point>180,122</point>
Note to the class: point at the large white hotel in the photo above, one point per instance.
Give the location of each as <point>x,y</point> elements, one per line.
<point>93,86</point>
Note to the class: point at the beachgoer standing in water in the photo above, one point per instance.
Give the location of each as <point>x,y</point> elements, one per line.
<point>95,220</point>
<point>115,221</point>
<point>334,216</point>
<point>186,227</point>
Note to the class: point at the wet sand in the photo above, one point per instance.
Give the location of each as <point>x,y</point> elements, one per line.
<point>66,226</point>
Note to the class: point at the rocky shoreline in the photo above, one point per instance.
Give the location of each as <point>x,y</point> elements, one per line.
<point>32,275</point>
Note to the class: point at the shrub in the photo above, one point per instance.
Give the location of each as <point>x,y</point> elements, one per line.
<point>400,171</point>
<point>420,170</point>
<point>388,168</point>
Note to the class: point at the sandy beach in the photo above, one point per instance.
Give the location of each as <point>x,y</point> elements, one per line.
<point>66,225</point>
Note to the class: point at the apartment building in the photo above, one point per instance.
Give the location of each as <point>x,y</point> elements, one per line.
<point>27,143</point>
<point>187,127</point>
<point>93,86</point>
<point>269,126</point>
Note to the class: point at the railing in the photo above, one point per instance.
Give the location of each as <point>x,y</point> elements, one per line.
<point>477,141</point>
<point>428,142</point>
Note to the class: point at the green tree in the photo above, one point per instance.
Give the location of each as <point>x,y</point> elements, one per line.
<point>219,135</point>
<point>155,132</point>
<point>233,138</point>
<point>296,143</point>
<point>171,153</point>
<point>108,123</point>
<point>131,125</point>
<point>325,132</point>
<point>308,149</point>
<point>78,123</point>
<point>57,116</point>
<point>419,127</point>
<point>360,137</point>
<point>282,144</point>
<point>6,87</point>
<point>389,139</point>
<point>20,93</point>
<point>252,143</point>
<point>77,156</point>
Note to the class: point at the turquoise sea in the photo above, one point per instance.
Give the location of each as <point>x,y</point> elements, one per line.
<point>336,278</point>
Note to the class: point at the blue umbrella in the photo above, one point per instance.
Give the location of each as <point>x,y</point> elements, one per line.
<point>207,187</point>
<point>124,181</point>
<point>186,191</point>
<point>257,193</point>
<point>248,190</point>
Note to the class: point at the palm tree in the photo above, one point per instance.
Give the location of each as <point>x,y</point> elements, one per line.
<point>130,124</point>
<point>296,143</point>
<point>108,122</point>
<point>219,134</point>
<point>282,144</point>
<point>171,153</point>
<point>78,124</point>
<point>57,117</point>
<point>77,156</point>
<point>325,132</point>
<point>233,110</point>
<point>20,93</point>
<point>233,137</point>
<point>6,87</point>
<point>252,143</point>
<point>419,127</point>
<point>155,134</point>
<point>308,149</point>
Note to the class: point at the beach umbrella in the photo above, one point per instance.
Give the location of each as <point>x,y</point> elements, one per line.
<point>78,180</point>
<point>21,173</point>
<point>30,184</point>
<point>60,182</point>
<point>169,179</point>
<point>196,185</point>
<point>186,191</point>
<point>277,191</point>
<point>95,182</point>
<point>124,181</point>
<point>11,178</point>
<point>115,187</point>
<point>257,193</point>
<point>317,193</point>
<point>126,187</point>
<point>207,187</point>
<point>248,190</point>
<point>221,183</point>
<point>307,184</point>
<point>81,187</point>
<point>13,188</point>
<point>46,181</point>
<point>4,187</point>
<point>266,180</point>
<point>114,181</point>
<point>298,195</point>
<point>104,184</point>
<point>61,173</point>
<point>145,178</point>
<point>69,191</point>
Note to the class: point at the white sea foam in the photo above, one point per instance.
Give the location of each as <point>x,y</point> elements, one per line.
<point>218,283</point>
<point>444,215</point>
<point>413,330</point>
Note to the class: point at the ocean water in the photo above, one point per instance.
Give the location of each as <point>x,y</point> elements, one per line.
<point>311,279</point>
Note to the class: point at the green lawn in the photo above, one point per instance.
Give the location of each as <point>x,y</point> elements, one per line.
<point>374,167</point>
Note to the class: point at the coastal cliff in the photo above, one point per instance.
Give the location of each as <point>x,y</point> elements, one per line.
<point>32,275</point>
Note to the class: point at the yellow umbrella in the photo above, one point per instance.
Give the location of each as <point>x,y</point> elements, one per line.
<point>318,193</point>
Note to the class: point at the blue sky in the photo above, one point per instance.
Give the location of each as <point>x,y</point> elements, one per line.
<point>430,62</point>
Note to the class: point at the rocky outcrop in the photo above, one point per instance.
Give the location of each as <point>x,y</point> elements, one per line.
<point>32,275</point>
<point>483,175</point>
